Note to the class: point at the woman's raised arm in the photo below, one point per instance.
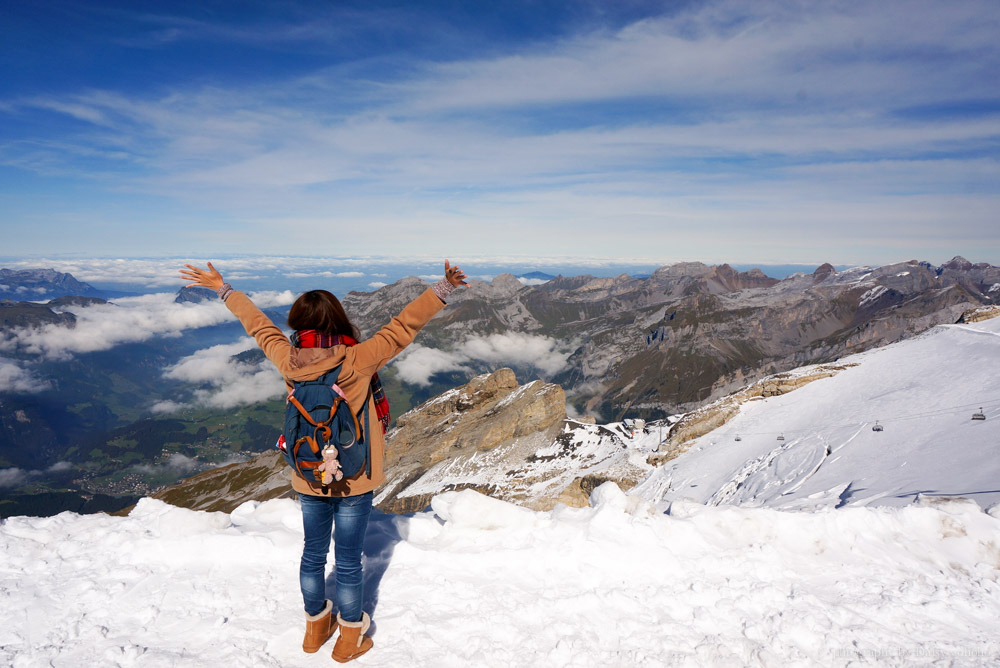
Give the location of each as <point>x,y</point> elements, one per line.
<point>268,335</point>
<point>370,355</point>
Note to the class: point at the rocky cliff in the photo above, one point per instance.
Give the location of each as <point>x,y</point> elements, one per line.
<point>474,436</point>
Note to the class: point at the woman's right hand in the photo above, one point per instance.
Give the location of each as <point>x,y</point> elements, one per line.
<point>202,278</point>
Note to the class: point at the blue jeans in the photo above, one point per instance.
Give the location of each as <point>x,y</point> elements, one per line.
<point>348,518</point>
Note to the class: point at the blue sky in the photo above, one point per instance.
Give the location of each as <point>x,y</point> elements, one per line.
<point>770,132</point>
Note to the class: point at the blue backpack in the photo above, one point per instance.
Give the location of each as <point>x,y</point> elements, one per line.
<point>316,416</point>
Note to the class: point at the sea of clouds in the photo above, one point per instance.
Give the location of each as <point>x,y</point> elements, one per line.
<point>124,320</point>
<point>215,377</point>
<point>300,273</point>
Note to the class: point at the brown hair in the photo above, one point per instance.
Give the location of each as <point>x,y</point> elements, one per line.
<point>320,310</point>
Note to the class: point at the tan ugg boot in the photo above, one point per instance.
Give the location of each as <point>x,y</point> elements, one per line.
<point>352,641</point>
<point>319,628</point>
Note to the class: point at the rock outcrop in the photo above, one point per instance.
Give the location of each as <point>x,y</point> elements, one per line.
<point>981,313</point>
<point>462,438</point>
<point>30,315</point>
<point>192,295</point>
<point>823,272</point>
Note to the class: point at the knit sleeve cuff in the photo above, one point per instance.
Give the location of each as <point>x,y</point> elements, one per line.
<point>443,288</point>
<point>225,291</point>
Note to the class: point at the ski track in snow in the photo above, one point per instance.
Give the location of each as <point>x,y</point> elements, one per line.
<point>923,391</point>
<point>967,328</point>
<point>486,583</point>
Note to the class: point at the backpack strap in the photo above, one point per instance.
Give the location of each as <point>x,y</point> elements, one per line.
<point>331,376</point>
<point>368,444</point>
<point>324,425</point>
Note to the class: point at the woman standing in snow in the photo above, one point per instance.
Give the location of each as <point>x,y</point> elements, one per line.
<point>323,340</point>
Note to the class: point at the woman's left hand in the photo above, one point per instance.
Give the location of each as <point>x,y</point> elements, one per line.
<point>454,275</point>
<point>203,278</point>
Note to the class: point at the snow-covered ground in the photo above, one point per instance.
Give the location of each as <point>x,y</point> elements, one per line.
<point>837,546</point>
<point>479,582</point>
<point>922,391</point>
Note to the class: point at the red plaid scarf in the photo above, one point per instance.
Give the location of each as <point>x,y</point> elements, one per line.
<point>310,338</point>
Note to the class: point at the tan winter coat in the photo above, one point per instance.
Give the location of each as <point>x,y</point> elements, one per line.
<point>360,362</point>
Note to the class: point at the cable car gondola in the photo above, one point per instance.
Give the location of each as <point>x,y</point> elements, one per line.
<point>877,426</point>
<point>781,437</point>
<point>979,416</point>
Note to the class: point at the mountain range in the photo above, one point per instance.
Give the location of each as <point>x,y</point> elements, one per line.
<point>757,534</point>
<point>652,348</point>
<point>690,333</point>
<point>43,284</point>
<point>884,427</point>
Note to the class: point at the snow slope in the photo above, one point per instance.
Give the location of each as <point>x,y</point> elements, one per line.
<point>837,546</point>
<point>485,583</point>
<point>923,391</point>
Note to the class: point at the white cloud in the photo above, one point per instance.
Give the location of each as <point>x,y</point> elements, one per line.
<point>763,50</point>
<point>175,463</point>
<point>222,382</point>
<point>12,477</point>
<point>533,281</point>
<point>574,414</point>
<point>377,284</point>
<point>418,364</point>
<point>541,352</point>
<point>152,272</point>
<point>167,406</point>
<point>126,320</point>
<point>324,274</point>
<point>163,272</point>
<point>14,378</point>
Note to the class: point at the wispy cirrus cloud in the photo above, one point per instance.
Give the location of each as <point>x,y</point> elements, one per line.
<point>650,127</point>
<point>767,54</point>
